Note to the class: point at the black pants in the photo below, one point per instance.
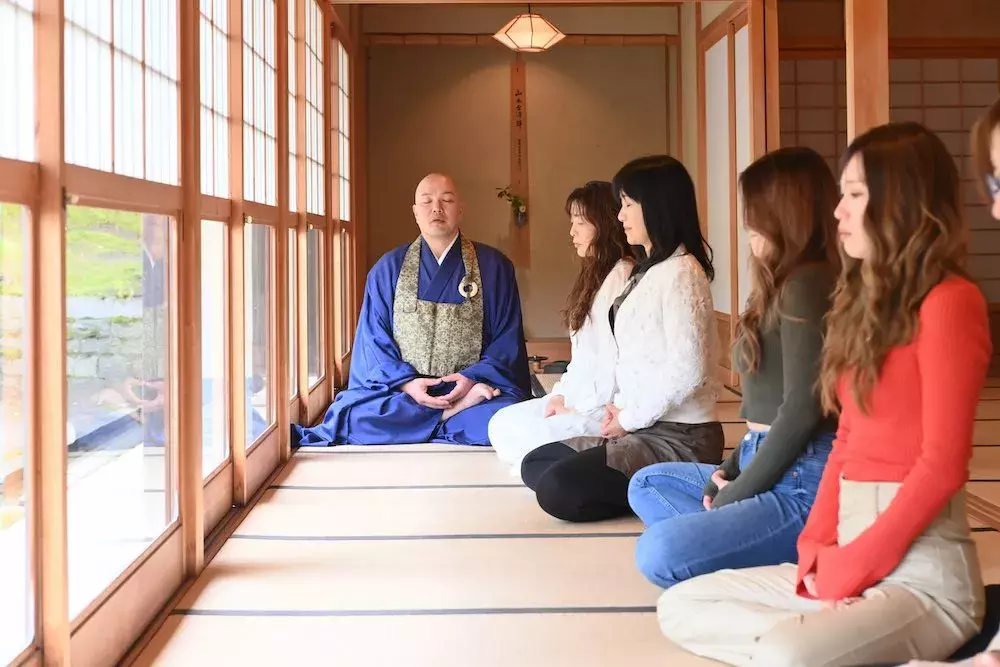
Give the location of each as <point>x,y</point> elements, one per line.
<point>575,486</point>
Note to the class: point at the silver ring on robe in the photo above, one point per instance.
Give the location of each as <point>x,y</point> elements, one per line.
<point>467,288</point>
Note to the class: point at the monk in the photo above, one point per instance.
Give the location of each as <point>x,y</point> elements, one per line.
<point>440,345</point>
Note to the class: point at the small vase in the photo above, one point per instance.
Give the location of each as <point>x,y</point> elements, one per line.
<point>520,218</point>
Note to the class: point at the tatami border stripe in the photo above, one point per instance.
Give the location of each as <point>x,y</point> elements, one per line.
<point>414,538</point>
<point>334,613</point>
<point>394,487</point>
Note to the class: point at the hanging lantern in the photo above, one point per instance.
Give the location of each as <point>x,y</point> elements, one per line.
<point>529,33</point>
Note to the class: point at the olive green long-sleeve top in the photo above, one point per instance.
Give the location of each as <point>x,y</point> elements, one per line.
<point>783,391</point>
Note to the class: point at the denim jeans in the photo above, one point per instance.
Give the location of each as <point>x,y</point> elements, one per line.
<point>682,540</point>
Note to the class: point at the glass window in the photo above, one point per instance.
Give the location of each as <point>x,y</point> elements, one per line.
<point>17,71</point>
<point>259,83</point>
<point>121,85</point>
<point>215,97</point>
<point>344,131</point>
<point>293,290</point>
<point>315,192</point>
<point>16,614</point>
<point>258,339</point>
<point>214,269</point>
<point>314,309</point>
<point>118,338</point>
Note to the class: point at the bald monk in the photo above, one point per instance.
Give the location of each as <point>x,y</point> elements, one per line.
<point>439,347</point>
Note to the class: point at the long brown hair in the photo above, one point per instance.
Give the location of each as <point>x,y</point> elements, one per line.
<point>596,203</point>
<point>788,197</point>
<point>917,233</point>
<point>982,137</point>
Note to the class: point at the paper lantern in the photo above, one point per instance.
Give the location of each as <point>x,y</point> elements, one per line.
<point>529,33</point>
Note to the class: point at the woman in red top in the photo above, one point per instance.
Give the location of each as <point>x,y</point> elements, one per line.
<point>887,568</point>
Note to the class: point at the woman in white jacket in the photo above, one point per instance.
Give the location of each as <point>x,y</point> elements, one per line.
<point>576,405</point>
<point>664,327</point>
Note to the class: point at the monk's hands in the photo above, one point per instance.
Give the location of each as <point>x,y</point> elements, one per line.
<point>417,390</point>
<point>719,479</point>
<point>462,387</point>
<point>610,428</point>
<point>556,406</point>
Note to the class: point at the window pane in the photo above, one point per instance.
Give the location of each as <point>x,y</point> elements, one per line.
<point>214,268</point>
<point>17,71</point>
<point>314,310</point>
<point>16,614</point>
<point>118,329</point>
<point>293,340</point>
<point>257,286</point>
<point>121,84</point>
<point>215,101</point>
<point>315,195</point>
<point>259,81</point>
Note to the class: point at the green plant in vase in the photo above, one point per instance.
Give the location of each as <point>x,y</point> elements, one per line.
<point>517,205</point>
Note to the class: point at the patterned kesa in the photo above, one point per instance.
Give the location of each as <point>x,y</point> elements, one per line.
<point>438,339</point>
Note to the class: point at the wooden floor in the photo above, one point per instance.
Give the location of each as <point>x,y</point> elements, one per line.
<point>430,555</point>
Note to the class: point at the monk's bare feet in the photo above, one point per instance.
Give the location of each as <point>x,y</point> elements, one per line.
<point>479,393</point>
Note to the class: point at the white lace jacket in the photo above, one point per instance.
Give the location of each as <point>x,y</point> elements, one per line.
<point>668,347</point>
<point>589,381</point>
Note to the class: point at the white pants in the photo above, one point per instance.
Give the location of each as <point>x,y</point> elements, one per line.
<point>520,428</point>
<point>927,608</point>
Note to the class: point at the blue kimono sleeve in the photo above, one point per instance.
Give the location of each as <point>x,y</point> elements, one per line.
<point>503,363</point>
<point>382,366</point>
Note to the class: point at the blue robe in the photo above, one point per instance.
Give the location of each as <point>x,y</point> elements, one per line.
<point>373,411</point>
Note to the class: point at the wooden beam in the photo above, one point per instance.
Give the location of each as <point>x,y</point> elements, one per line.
<point>519,3</point>
<point>46,427</point>
<point>484,39</point>
<point>520,229</point>
<point>186,390</point>
<point>867,30</point>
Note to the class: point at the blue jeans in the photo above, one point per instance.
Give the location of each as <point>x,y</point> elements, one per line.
<point>682,540</point>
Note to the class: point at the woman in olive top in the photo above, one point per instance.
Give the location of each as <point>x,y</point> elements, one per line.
<point>750,511</point>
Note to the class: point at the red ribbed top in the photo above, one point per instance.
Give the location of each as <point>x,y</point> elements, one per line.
<point>918,431</point>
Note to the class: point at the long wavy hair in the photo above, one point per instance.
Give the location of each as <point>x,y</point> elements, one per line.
<point>982,137</point>
<point>595,203</point>
<point>788,198</point>
<point>664,189</point>
<point>918,236</point>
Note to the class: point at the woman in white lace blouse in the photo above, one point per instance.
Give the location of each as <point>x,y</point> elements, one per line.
<point>668,351</point>
<point>576,405</point>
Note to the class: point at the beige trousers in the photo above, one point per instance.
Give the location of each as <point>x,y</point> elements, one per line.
<point>929,606</point>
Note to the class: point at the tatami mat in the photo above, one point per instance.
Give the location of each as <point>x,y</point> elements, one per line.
<point>507,510</point>
<point>550,640</point>
<point>430,555</point>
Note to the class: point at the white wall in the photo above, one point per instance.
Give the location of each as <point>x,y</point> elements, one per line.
<point>718,173</point>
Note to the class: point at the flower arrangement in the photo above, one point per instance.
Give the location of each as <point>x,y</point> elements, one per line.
<point>517,205</point>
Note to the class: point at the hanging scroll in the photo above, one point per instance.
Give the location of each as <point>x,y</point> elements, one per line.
<point>520,243</point>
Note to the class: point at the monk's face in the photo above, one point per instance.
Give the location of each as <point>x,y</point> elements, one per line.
<point>437,207</point>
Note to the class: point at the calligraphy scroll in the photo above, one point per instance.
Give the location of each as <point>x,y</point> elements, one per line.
<point>520,237</point>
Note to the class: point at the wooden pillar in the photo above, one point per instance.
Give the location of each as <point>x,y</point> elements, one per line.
<point>764,84</point>
<point>186,390</point>
<point>280,282</point>
<point>47,355</point>
<point>867,28</point>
